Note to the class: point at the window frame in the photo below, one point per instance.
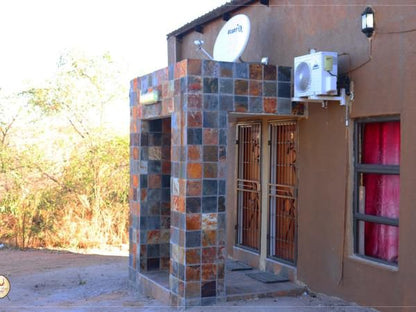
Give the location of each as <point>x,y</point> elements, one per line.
<point>360,168</point>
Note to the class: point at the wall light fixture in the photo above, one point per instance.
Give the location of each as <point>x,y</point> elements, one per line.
<point>367,22</point>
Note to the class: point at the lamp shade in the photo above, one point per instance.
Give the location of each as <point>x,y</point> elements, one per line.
<point>367,22</point>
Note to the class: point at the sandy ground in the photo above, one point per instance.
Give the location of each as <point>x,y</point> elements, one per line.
<point>43,280</point>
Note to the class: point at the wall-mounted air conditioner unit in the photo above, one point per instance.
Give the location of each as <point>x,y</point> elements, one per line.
<point>315,74</point>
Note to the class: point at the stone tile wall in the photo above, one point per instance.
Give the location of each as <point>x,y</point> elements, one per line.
<point>198,95</point>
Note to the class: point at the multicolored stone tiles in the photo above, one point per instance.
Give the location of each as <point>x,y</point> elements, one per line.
<point>178,165</point>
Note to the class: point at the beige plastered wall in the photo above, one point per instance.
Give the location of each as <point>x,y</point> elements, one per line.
<point>383,86</point>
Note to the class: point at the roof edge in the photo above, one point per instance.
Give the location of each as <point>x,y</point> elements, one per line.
<point>228,7</point>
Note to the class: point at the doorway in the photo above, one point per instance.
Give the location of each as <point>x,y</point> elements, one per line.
<point>248,185</point>
<point>282,192</point>
<point>270,182</point>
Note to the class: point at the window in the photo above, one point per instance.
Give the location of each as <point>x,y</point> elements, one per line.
<point>377,189</point>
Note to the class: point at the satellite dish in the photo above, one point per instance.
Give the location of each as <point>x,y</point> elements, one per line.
<point>232,39</point>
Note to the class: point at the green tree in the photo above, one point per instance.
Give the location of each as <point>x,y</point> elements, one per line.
<point>85,92</point>
<point>64,180</point>
<point>21,183</point>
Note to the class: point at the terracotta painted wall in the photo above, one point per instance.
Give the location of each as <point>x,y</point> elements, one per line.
<point>383,86</point>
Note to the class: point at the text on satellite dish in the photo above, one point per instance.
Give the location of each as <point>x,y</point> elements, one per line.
<point>238,28</point>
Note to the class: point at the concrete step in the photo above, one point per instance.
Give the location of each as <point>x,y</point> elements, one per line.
<point>240,286</point>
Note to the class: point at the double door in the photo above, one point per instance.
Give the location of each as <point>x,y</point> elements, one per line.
<point>280,189</point>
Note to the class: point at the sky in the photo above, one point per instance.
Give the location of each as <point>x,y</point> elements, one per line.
<point>35,32</point>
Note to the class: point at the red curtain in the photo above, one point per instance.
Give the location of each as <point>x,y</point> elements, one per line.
<point>381,145</point>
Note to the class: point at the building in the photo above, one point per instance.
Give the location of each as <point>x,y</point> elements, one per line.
<point>225,164</point>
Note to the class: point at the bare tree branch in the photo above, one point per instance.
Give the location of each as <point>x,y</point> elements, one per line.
<point>4,131</point>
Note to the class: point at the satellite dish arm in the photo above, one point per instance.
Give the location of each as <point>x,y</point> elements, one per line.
<point>199,44</point>
<point>206,53</point>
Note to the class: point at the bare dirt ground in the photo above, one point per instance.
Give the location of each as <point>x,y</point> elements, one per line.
<point>44,280</point>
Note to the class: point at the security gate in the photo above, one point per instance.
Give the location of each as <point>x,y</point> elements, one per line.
<point>282,192</point>
<point>248,185</point>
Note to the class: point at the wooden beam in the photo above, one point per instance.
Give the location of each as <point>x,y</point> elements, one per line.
<point>226,16</point>
<point>199,28</point>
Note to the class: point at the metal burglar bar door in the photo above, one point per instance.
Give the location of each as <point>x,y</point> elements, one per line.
<point>282,191</point>
<point>248,185</point>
